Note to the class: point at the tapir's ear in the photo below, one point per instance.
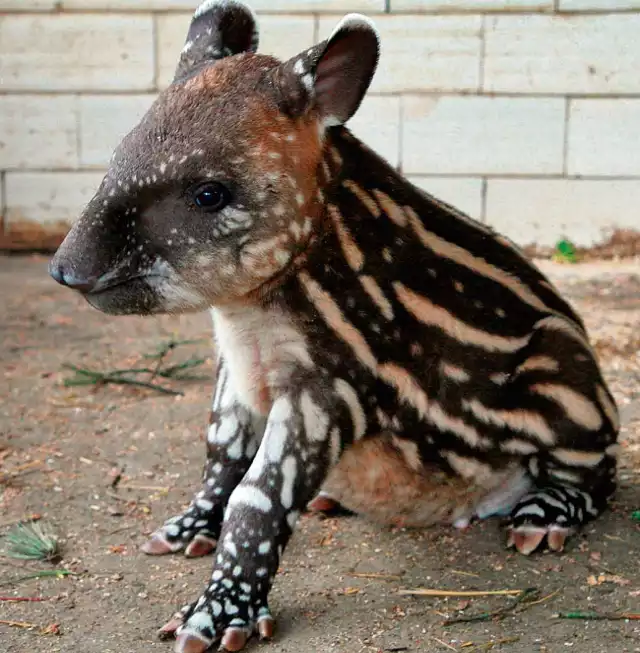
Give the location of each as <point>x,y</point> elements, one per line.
<point>219,28</point>
<point>333,76</point>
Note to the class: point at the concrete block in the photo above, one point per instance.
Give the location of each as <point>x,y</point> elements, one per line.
<point>38,132</point>
<point>598,5</point>
<point>40,206</point>
<point>27,5</point>
<point>271,6</point>
<point>479,135</point>
<point>104,120</point>
<point>595,54</point>
<point>427,6</point>
<point>463,193</point>
<point>76,52</point>
<point>604,138</point>
<point>543,211</point>
<point>377,123</point>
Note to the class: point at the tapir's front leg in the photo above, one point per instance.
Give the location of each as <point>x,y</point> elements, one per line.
<point>232,440</point>
<point>301,441</point>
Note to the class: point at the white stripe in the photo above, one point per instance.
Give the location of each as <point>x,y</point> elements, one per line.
<point>476,264</point>
<point>350,397</point>
<point>518,420</point>
<point>249,495</point>
<point>432,315</point>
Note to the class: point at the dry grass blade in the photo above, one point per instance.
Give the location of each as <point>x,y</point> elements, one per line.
<point>17,624</point>
<point>374,576</point>
<point>34,541</point>
<point>47,573</point>
<point>517,601</point>
<point>428,592</point>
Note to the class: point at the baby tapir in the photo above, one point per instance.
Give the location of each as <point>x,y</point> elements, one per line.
<point>375,347</point>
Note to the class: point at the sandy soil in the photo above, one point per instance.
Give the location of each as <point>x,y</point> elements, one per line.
<point>59,447</point>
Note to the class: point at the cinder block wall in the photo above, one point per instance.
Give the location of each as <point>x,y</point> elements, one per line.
<point>523,113</point>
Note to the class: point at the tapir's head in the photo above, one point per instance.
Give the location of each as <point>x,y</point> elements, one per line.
<point>217,192</point>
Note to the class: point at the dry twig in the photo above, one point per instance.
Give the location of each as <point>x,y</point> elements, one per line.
<point>442,593</point>
<point>131,376</point>
<point>486,616</point>
<point>374,576</point>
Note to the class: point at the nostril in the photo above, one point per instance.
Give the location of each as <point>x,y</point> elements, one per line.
<point>71,280</point>
<point>56,272</point>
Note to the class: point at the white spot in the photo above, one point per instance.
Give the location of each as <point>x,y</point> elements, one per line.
<point>289,469</point>
<point>307,81</point>
<point>531,510</point>
<point>264,547</point>
<point>199,621</point>
<point>248,495</point>
<point>230,547</point>
<point>216,608</point>
<point>235,449</point>
<point>217,575</point>
<point>237,570</point>
<point>292,518</point>
<point>335,445</point>
<point>299,199</point>
<point>316,420</point>
<point>172,530</point>
<point>261,572</point>
<point>223,432</point>
<point>187,522</point>
<point>204,504</point>
<point>298,67</point>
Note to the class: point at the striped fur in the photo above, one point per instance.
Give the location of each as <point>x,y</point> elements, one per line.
<point>374,343</point>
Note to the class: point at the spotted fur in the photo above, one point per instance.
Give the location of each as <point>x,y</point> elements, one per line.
<point>374,344</point>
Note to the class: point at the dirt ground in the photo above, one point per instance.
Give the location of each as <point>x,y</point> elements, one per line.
<point>59,447</point>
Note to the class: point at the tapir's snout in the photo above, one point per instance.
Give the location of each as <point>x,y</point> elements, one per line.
<point>65,276</point>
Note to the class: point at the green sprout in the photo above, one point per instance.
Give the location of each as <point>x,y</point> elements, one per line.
<point>32,542</point>
<point>565,252</point>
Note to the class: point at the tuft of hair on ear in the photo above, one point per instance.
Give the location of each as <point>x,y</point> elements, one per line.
<point>333,76</point>
<point>219,29</point>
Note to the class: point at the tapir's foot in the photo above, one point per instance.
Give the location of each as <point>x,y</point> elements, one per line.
<point>195,531</point>
<point>548,516</point>
<point>527,538</point>
<point>213,618</point>
<point>324,504</point>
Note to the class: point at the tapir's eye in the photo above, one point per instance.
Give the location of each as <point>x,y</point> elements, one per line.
<point>211,196</point>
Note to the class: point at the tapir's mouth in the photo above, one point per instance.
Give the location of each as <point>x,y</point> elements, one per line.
<point>131,295</point>
<point>113,283</point>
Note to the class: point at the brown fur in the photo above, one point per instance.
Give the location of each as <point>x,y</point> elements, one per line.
<point>375,479</point>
